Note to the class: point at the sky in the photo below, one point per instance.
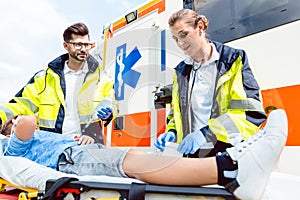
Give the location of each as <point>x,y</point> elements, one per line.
<point>31,33</point>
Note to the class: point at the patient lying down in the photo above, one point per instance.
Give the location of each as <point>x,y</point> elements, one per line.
<point>66,157</point>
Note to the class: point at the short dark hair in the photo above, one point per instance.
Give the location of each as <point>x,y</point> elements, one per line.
<point>5,128</point>
<point>77,29</point>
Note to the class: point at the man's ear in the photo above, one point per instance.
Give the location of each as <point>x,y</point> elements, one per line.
<point>65,44</point>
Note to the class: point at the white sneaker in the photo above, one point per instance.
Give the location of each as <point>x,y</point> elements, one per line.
<point>257,156</point>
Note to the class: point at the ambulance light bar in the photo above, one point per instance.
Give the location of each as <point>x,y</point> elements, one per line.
<point>130,17</point>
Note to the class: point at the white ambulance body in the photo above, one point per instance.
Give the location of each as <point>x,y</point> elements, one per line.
<point>139,54</point>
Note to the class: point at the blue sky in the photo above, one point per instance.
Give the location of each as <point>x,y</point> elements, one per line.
<point>31,33</point>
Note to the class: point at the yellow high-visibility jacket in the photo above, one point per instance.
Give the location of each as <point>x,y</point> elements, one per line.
<point>236,105</point>
<point>44,96</point>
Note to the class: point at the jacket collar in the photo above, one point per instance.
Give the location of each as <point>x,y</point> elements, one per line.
<point>57,65</point>
<point>214,57</point>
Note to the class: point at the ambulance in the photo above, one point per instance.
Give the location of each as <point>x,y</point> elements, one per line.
<point>139,54</point>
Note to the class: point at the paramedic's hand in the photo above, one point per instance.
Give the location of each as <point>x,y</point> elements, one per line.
<point>161,141</point>
<point>104,113</point>
<point>85,139</point>
<point>192,142</point>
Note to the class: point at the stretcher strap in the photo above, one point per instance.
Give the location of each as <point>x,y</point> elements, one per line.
<point>137,191</point>
<point>232,186</point>
<point>51,194</point>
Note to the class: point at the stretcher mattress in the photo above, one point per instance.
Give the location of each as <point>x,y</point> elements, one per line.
<point>28,174</point>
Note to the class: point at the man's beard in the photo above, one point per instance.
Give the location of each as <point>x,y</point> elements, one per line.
<point>82,56</point>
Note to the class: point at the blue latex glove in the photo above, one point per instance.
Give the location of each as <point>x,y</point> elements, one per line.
<point>104,113</point>
<point>192,142</point>
<point>161,141</point>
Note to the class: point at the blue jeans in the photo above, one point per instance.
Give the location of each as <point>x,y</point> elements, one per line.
<point>94,159</point>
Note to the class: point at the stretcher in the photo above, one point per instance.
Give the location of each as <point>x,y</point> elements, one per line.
<point>120,191</point>
<point>135,190</point>
<point>36,182</point>
<point>102,187</point>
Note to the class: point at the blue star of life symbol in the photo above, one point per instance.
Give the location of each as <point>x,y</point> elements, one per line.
<point>124,74</point>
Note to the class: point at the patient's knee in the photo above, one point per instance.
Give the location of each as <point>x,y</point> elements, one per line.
<point>131,161</point>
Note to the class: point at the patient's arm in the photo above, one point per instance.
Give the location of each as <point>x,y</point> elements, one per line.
<point>24,127</point>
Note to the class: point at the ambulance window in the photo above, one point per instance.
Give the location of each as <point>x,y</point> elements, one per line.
<point>119,123</point>
<point>233,19</point>
<point>245,9</point>
<point>218,13</point>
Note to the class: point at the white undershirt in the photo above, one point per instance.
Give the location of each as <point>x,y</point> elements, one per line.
<point>74,81</point>
<point>203,90</point>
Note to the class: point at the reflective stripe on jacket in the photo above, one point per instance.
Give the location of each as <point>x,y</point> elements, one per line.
<point>236,108</point>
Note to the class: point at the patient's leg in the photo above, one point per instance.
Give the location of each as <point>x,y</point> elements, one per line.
<point>243,169</point>
<point>170,170</point>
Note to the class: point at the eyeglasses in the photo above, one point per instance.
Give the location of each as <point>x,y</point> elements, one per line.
<point>78,45</point>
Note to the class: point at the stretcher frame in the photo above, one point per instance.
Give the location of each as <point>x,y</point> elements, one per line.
<point>135,191</point>
<point>25,194</point>
<point>121,191</point>
<point>40,180</point>
<point>280,186</point>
